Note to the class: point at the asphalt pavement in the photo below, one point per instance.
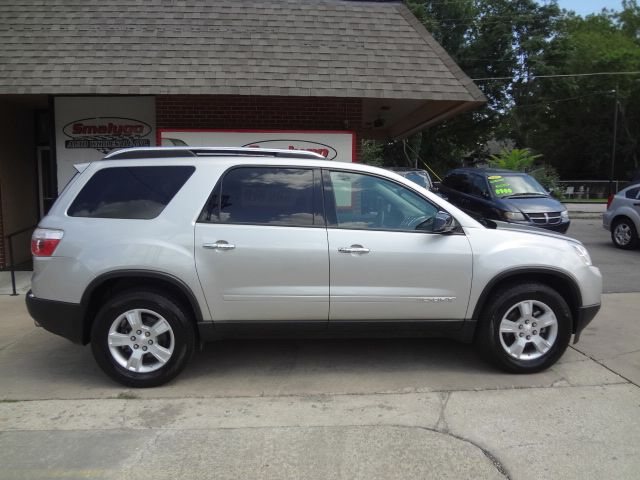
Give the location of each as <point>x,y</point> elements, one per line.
<point>620,268</point>
<point>332,409</point>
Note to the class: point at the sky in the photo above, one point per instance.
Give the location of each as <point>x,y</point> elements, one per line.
<point>585,7</point>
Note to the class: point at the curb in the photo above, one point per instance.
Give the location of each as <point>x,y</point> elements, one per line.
<point>585,215</point>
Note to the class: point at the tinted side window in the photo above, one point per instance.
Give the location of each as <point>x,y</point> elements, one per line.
<point>367,202</point>
<point>633,193</point>
<point>264,195</point>
<point>458,181</point>
<point>129,192</point>
<point>479,186</point>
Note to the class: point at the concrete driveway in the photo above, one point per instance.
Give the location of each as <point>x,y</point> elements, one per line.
<point>369,409</point>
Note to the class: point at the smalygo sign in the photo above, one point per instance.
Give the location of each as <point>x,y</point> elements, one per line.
<point>106,133</point>
<point>87,128</point>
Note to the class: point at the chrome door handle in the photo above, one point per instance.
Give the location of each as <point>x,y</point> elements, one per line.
<point>220,245</point>
<point>354,249</point>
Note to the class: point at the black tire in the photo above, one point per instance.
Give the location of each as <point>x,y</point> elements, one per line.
<point>624,234</point>
<point>503,302</point>
<point>155,306</point>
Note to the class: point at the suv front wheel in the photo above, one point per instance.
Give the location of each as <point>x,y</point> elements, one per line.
<point>525,328</point>
<point>142,338</point>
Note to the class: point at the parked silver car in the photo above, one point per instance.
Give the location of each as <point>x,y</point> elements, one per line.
<point>150,251</point>
<point>622,218</point>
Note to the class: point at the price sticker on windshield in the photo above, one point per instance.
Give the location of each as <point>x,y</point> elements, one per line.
<point>500,185</point>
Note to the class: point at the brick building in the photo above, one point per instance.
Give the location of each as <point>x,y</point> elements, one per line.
<point>81,77</point>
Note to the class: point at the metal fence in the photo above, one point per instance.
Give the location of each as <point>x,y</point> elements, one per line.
<point>11,266</point>
<point>589,189</point>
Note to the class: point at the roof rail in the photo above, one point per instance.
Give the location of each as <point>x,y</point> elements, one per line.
<point>172,152</point>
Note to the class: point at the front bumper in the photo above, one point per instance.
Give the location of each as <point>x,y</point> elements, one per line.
<point>557,227</point>
<point>585,315</point>
<point>62,318</point>
<point>554,227</point>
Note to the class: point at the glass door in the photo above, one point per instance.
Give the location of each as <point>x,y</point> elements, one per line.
<point>46,180</point>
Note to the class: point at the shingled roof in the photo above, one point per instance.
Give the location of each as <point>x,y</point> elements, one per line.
<point>280,47</point>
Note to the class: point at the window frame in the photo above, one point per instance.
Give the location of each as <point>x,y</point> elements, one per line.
<point>206,215</point>
<point>331,209</point>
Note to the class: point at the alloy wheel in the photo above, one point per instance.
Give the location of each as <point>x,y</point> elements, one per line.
<point>141,340</point>
<point>528,330</point>
<point>622,234</point>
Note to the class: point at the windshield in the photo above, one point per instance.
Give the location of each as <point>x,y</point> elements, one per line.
<point>503,186</point>
<point>419,178</point>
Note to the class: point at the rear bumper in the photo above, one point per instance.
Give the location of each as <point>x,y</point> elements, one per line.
<point>585,315</point>
<point>62,318</point>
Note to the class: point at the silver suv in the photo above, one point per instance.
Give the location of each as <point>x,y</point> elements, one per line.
<point>149,252</point>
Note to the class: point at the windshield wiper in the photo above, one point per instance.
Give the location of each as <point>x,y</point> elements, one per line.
<point>524,195</point>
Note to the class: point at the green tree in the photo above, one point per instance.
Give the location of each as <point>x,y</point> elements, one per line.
<point>487,38</point>
<point>518,159</point>
<point>570,119</point>
<point>372,153</point>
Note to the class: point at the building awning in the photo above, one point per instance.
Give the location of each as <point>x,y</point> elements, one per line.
<point>376,51</point>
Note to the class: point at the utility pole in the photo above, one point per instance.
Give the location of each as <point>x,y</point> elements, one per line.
<point>615,139</point>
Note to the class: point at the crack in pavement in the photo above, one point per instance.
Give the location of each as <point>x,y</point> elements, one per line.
<point>443,427</point>
<point>16,340</point>
<point>593,359</point>
<point>441,424</point>
<point>158,433</point>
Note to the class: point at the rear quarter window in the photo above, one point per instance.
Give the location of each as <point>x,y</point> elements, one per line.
<point>633,193</point>
<point>129,192</point>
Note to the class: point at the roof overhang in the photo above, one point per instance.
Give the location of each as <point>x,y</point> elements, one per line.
<point>392,118</point>
<point>375,51</point>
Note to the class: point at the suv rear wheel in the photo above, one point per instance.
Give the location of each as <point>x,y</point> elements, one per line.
<point>142,338</point>
<point>525,328</point>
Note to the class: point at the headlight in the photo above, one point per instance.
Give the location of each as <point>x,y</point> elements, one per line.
<point>582,253</point>
<point>513,216</point>
<point>565,214</point>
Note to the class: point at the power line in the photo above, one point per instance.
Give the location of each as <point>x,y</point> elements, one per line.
<point>543,3</point>
<point>560,100</point>
<point>533,77</point>
<point>490,19</point>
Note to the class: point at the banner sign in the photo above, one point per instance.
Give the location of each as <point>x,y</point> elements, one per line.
<point>87,128</point>
<point>339,146</point>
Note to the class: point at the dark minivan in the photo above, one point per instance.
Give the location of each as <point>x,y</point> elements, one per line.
<point>504,195</point>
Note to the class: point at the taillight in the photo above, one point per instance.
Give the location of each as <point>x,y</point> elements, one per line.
<point>44,241</point>
<point>609,200</point>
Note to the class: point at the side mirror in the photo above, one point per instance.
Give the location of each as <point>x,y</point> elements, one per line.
<point>443,223</point>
